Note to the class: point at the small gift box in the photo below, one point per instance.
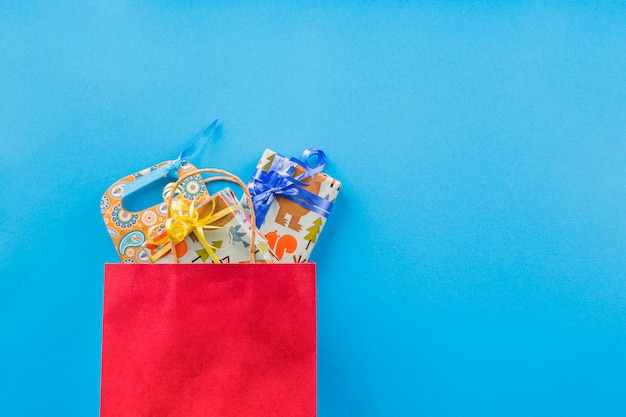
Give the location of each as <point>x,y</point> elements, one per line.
<point>216,230</point>
<point>292,200</point>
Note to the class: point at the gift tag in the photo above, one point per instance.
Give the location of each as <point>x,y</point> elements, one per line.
<point>128,229</point>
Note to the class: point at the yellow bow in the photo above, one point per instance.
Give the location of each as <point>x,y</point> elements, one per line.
<point>185,219</point>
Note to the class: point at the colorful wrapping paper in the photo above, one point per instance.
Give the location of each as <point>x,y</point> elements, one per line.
<point>224,238</point>
<point>141,237</point>
<point>128,229</point>
<point>292,200</point>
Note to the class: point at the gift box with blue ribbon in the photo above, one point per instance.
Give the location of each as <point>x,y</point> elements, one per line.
<point>292,200</point>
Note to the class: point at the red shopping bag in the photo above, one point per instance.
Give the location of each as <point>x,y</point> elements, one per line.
<point>209,340</point>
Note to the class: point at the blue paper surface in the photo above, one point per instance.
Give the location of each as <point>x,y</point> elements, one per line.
<point>474,263</point>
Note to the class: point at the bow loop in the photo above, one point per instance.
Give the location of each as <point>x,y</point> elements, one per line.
<point>185,219</point>
<point>311,168</point>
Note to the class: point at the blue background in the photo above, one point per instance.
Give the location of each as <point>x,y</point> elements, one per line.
<point>474,264</point>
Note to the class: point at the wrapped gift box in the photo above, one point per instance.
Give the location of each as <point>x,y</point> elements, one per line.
<point>292,199</point>
<point>219,231</point>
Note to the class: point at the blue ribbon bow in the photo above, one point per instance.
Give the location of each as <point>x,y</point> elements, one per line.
<point>171,170</point>
<point>266,185</point>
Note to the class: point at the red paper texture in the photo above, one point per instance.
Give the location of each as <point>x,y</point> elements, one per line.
<point>209,340</point>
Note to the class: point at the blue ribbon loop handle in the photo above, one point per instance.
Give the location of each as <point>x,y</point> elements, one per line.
<point>171,170</point>
<point>266,185</point>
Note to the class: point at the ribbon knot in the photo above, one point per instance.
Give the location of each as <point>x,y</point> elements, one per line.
<point>185,219</point>
<point>266,185</point>
<point>271,184</point>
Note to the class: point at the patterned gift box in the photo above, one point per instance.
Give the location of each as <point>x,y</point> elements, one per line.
<point>216,230</point>
<point>128,229</point>
<point>292,200</point>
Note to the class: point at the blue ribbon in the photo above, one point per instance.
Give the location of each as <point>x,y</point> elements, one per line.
<point>266,185</point>
<point>171,169</point>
